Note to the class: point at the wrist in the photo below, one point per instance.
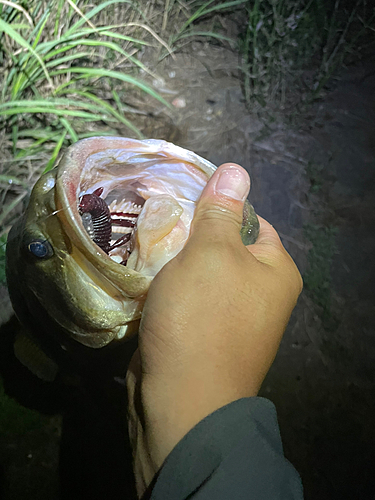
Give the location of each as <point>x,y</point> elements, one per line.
<point>171,412</point>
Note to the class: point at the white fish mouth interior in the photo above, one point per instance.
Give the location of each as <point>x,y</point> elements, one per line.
<point>128,180</point>
<point>123,203</point>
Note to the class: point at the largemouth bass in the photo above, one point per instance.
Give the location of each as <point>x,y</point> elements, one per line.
<point>97,229</point>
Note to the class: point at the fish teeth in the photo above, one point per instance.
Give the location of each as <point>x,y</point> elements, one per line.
<point>117,258</point>
<point>113,206</point>
<point>126,207</point>
<point>121,207</point>
<point>122,230</point>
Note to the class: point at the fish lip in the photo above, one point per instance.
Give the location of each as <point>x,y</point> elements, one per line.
<point>68,179</point>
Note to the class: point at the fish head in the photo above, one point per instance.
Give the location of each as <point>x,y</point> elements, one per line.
<point>94,293</point>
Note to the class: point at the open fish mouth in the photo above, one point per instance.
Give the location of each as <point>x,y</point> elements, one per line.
<point>136,199</point>
<point>98,228</point>
<point>136,202</point>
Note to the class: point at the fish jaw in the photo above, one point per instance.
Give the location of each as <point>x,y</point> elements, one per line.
<point>146,168</point>
<point>69,288</point>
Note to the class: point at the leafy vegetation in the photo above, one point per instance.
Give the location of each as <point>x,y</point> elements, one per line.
<point>52,84</point>
<point>291,48</point>
<point>201,11</point>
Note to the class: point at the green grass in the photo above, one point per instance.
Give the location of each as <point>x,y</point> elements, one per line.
<point>202,11</point>
<point>291,48</point>
<point>71,65</point>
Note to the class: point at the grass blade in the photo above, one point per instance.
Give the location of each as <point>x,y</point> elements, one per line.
<point>93,12</point>
<point>18,7</point>
<point>55,153</point>
<point>80,13</point>
<point>59,112</point>
<point>99,73</point>
<point>70,130</point>
<point>6,28</point>
<point>23,75</point>
<point>111,110</point>
<point>202,11</point>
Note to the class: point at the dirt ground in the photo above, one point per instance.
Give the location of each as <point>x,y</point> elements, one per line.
<point>322,379</point>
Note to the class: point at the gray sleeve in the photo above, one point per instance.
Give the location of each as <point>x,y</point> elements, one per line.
<point>233,454</point>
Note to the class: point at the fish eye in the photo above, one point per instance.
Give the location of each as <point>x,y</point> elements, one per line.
<point>40,248</point>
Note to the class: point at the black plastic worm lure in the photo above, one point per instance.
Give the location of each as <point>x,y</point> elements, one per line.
<point>100,229</point>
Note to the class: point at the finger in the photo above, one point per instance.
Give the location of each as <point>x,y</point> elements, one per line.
<point>219,211</point>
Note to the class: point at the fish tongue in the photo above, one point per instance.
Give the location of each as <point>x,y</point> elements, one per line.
<point>158,235</point>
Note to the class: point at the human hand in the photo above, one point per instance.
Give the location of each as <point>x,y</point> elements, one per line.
<point>211,325</point>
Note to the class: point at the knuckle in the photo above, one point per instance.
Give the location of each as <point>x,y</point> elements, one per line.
<point>292,275</point>
<point>211,256</point>
<point>213,214</point>
<point>279,260</point>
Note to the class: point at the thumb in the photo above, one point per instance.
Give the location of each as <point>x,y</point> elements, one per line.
<point>220,207</point>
